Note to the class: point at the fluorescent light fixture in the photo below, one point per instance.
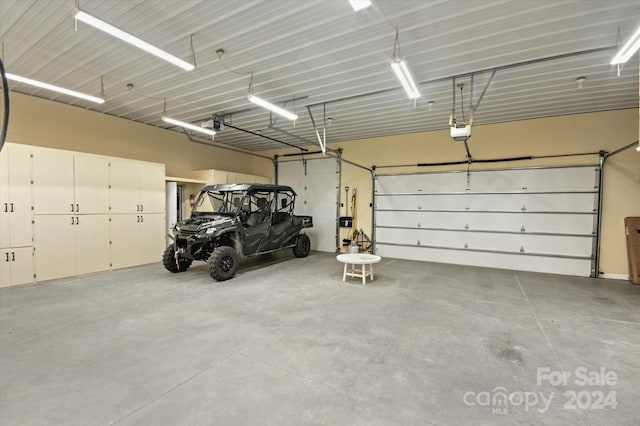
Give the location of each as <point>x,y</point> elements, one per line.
<point>125,36</point>
<point>188,126</point>
<point>629,48</point>
<point>360,4</point>
<point>54,88</point>
<point>403,74</point>
<point>268,105</point>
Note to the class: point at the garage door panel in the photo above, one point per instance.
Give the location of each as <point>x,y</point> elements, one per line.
<point>518,262</point>
<point>509,202</point>
<point>544,179</point>
<point>542,244</point>
<point>511,222</point>
<point>446,182</point>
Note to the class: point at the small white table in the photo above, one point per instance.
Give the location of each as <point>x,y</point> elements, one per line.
<point>363,259</point>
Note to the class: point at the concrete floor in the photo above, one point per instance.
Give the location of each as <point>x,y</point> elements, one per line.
<point>286,342</point>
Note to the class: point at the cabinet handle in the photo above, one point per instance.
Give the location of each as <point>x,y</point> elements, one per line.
<point>141,218</point>
<point>6,207</point>
<point>71,207</point>
<point>11,207</point>
<point>7,254</point>
<point>73,221</point>
<point>137,207</point>
<point>77,220</point>
<point>138,217</point>
<point>141,207</point>
<point>13,256</point>
<point>77,208</point>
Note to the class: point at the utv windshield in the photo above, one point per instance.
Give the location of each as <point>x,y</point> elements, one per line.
<point>217,202</point>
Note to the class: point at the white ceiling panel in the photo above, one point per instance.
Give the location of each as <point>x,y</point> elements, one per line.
<point>326,56</point>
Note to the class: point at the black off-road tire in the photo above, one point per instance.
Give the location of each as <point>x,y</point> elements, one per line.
<point>223,263</point>
<point>302,247</point>
<point>169,261</point>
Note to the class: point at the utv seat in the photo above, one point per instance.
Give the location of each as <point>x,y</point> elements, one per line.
<point>259,215</point>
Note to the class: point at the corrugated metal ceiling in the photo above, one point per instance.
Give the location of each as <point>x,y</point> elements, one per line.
<point>324,54</point>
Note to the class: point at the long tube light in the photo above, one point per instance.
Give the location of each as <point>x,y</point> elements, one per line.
<point>131,39</point>
<point>188,126</point>
<point>58,89</point>
<point>629,48</point>
<point>271,107</point>
<point>359,4</point>
<point>403,74</point>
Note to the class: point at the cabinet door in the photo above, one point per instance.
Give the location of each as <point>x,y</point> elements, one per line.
<point>20,195</point>
<point>152,238</point>
<point>91,184</point>
<point>124,187</point>
<point>5,267</point>
<point>53,182</point>
<point>152,188</point>
<point>125,240</point>
<point>55,250</point>
<point>21,265</point>
<point>4,199</point>
<point>92,243</point>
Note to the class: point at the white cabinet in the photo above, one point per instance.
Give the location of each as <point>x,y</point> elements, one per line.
<point>69,183</point>
<point>15,196</point>
<point>16,266</point>
<point>68,245</point>
<point>137,205</point>
<point>71,213</point>
<point>65,213</point>
<point>16,237</point>
<point>136,239</point>
<point>137,187</point>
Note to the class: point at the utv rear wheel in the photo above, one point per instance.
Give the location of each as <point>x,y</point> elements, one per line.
<point>302,247</point>
<point>223,263</point>
<point>170,264</point>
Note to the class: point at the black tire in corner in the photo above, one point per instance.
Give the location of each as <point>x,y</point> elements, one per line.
<point>169,261</point>
<point>302,247</point>
<point>223,263</point>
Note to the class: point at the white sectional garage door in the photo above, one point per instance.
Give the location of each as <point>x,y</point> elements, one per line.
<point>538,219</point>
<point>317,183</point>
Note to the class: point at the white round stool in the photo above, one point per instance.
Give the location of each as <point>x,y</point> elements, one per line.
<point>363,259</point>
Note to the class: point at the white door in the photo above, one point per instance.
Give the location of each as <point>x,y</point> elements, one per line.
<point>316,186</point>
<point>151,186</point>
<point>152,238</point>
<point>53,182</point>
<point>125,240</point>
<point>5,229</point>
<point>91,177</point>
<point>125,193</point>
<point>16,266</point>
<point>15,196</point>
<point>539,219</point>
<point>92,243</point>
<point>5,268</point>
<point>55,247</point>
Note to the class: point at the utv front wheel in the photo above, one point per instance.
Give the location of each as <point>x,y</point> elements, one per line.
<point>223,263</point>
<point>302,247</point>
<point>170,263</point>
